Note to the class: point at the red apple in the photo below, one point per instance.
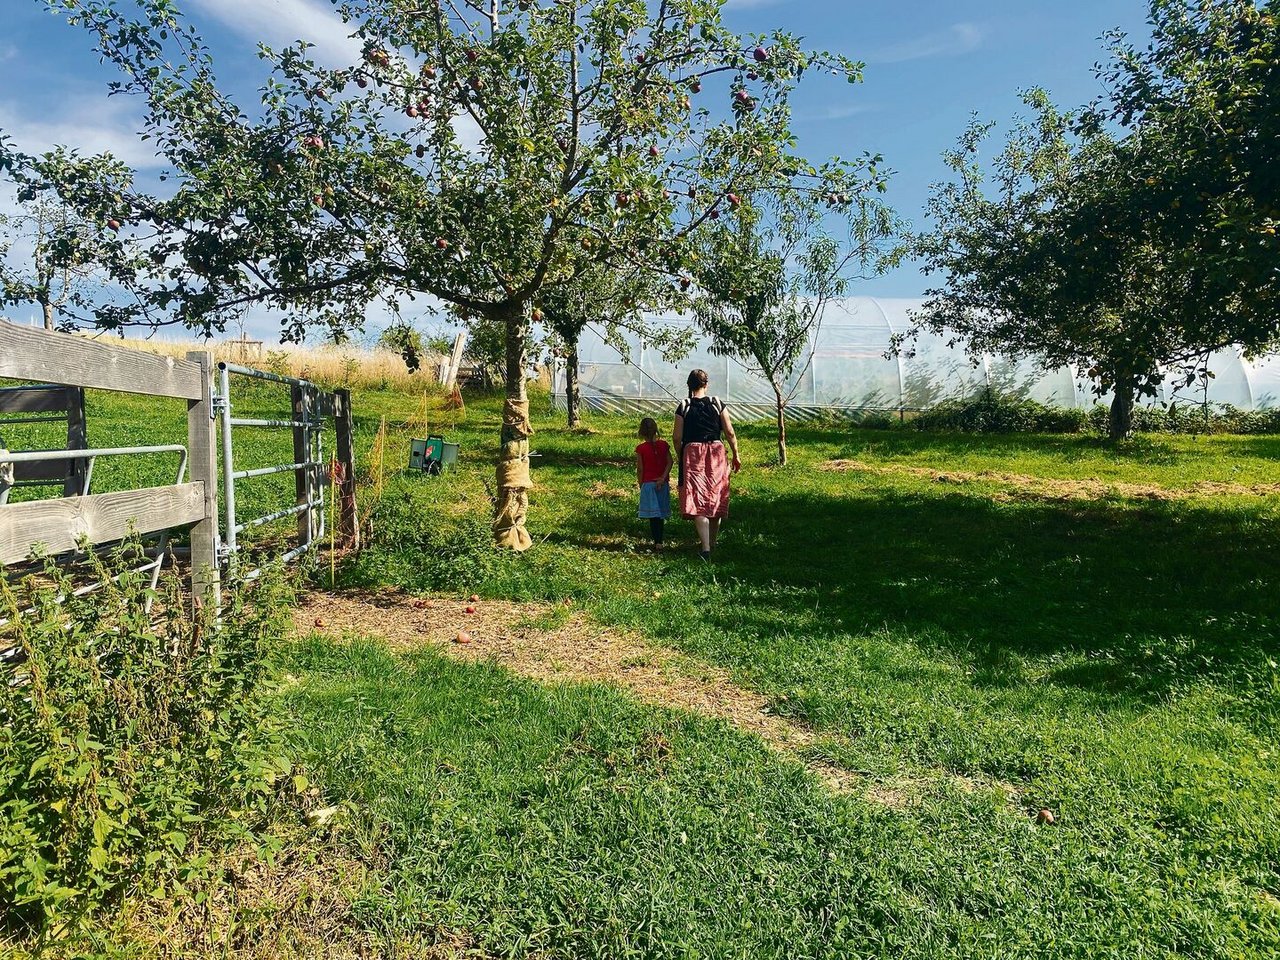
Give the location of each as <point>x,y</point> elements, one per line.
<point>624,199</point>
<point>472,56</point>
<point>411,111</point>
<point>640,59</point>
<point>475,598</point>
<point>653,151</point>
<point>685,283</point>
<point>477,84</point>
<point>734,200</point>
<point>317,199</point>
<point>761,54</point>
<point>361,82</point>
<point>442,243</point>
<point>463,637</point>
<point>1045,816</point>
<point>696,86</point>
<point>429,72</point>
<point>113,224</point>
<point>319,621</point>
<point>666,194</point>
<point>471,609</point>
<point>715,214</point>
<point>537,318</point>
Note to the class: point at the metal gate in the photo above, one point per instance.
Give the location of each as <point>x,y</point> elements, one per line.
<point>312,408</point>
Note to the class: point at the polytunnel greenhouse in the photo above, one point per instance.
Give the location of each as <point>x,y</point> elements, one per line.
<point>851,372</point>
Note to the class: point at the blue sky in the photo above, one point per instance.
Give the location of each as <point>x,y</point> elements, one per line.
<point>930,64</point>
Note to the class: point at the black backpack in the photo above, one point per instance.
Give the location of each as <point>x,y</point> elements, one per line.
<point>702,419</point>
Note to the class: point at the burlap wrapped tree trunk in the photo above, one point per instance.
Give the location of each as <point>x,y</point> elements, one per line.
<point>512,506</point>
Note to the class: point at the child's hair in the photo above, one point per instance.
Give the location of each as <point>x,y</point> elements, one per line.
<point>649,429</point>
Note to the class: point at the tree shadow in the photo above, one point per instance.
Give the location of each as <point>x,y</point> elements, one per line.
<point>1126,600</point>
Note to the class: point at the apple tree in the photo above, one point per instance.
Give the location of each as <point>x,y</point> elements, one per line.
<point>1134,237</point>
<point>764,279</point>
<point>59,257</point>
<point>476,154</point>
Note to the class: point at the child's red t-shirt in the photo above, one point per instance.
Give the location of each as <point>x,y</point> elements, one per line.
<point>653,460</point>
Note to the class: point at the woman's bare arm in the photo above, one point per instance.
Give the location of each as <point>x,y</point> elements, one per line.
<point>727,425</point>
<point>639,470</point>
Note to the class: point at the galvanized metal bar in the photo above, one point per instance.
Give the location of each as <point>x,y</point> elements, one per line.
<point>249,422</point>
<point>30,456</point>
<point>260,374</point>
<point>288,557</point>
<point>278,515</point>
<point>267,471</point>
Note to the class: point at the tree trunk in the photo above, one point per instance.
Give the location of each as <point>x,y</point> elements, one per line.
<point>782,427</point>
<point>512,505</point>
<point>572,391</point>
<point>48,314</point>
<point>1120,423</point>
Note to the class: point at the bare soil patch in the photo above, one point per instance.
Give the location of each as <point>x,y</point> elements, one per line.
<point>558,644</point>
<point>1056,489</point>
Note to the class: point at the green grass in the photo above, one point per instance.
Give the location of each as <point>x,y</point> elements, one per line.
<point>1113,659</point>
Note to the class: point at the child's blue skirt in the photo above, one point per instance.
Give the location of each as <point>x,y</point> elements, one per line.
<point>655,500</point>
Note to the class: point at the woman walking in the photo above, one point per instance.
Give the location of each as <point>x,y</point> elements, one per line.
<point>701,421</point>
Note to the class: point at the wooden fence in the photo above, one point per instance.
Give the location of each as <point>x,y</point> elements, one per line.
<point>64,365</point>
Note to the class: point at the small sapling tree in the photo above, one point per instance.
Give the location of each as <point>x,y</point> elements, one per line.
<point>614,299</point>
<point>764,280</point>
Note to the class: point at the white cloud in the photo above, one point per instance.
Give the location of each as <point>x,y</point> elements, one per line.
<point>92,123</point>
<point>282,22</point>
<point>833,112</point>
<point>959,38</point>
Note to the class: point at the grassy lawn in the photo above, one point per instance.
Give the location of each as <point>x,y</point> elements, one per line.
<point>994,645</point>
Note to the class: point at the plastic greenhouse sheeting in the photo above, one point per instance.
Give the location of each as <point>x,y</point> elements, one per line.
<point>850,372</point>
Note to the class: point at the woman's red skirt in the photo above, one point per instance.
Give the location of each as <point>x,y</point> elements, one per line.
<point>704,490</point>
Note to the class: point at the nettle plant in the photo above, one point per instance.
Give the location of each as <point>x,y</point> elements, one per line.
<point>477,154</point>
<point>135,740</point>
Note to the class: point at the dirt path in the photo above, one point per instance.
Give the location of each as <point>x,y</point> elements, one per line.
<point>1058,489</point>
<point>561,645</point>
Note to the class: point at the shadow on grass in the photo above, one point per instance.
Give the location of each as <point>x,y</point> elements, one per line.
<point>1126,601</point>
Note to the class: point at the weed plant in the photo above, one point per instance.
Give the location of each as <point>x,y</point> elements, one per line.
<point>133,743</point>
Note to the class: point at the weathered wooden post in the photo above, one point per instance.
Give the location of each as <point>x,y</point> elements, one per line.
<point>203,453</point>
<point>344,424</point>
<point>77,439</point>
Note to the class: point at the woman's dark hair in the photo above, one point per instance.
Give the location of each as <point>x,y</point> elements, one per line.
<point>697,380</point>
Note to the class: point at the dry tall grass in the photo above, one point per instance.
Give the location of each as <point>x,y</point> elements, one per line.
<point>331,366</point>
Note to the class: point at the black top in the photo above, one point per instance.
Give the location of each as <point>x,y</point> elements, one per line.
<point>701,419</point>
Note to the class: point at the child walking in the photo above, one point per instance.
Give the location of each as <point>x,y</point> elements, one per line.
<point>653,477</point>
